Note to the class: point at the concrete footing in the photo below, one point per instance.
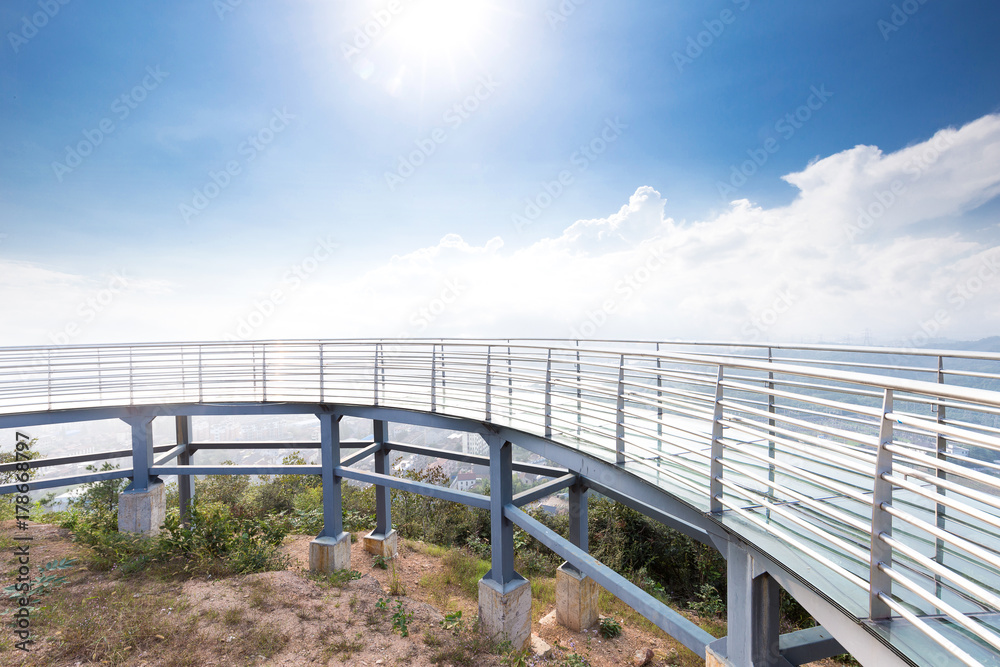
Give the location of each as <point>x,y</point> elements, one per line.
<point>715,655</point>
<point>382,545</point>
<point>329,554</point>
<point>142,511</point>
<point>505,611</point>
<point>577,598</point>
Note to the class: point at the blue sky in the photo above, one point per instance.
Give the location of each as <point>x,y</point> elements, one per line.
<point>240,160</point>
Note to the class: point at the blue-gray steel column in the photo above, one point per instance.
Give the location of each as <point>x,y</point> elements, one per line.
<point>185,483</point>
<point>501,494</point>
<point>142,452</point>
<point>383,495</point>
<point>333,509</point>
<point>578,525</point>
<point>752,612</point>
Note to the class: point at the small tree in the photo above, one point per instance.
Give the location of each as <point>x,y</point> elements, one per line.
<point>27,453</point>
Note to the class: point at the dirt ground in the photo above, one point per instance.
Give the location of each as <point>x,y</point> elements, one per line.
<point>291,616</point>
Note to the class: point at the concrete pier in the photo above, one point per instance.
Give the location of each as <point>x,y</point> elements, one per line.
<point>505,611</point>
<point>329,554</point>
<point>142,511</point>
<point>576,599</point>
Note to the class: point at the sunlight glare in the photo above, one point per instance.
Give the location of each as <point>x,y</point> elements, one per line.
<point>441,27</point>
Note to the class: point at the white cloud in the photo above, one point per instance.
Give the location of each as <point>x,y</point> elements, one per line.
<point>872,241</point>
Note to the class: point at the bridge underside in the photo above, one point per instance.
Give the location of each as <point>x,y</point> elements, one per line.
<point>754,576</point>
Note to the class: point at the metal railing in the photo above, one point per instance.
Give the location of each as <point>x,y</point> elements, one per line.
<point>875,466</point>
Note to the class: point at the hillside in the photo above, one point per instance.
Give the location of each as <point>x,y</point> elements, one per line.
<point>163,616</point>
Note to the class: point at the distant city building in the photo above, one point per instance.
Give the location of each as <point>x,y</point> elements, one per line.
<point>465,480</point>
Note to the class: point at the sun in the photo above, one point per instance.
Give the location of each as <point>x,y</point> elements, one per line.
<point>442,28</point>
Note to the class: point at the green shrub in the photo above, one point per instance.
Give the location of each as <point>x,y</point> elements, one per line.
<point>610,628</point>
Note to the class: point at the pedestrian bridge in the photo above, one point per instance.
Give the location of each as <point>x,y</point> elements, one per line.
<point>861,480</point>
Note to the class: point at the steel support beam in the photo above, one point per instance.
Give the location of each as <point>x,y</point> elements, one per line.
<point>579,526</point>
<point>652,511</point>
<point>544,490</point>
<point>56,482</point>
<point>358,457</point>
<point>185,483</point>
<point>383,496</point>
<point>333,509</point>
<point>606,478</point>
<point>82,458</point>
<point>424,489</point>
<point>544,471</point>
<point>810,645</point>
<point>854,637</point>
<point>665,618</point>
<point>237,470</point>
<point>501,527</point>
<point>142,452</point>
<point>752,612</point>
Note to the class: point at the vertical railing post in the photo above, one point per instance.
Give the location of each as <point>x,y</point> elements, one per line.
<point>434,377</point>
<point>579,393</point>
<point>659,398</point>
<point>263,370</point>
<point>770,432</point>
<point>942,455</point>
<point>375,375</point>
<point>48,384</point>
<point>620,414</point>
<point>489,383</point>
<point>201,380</point>
<point>881,552</point>
<point>548,395</point>
<point>322,376</point>
<point>131,379</point>
<point>510,381</point>
<point>715,501</point>
<point>444,379</point>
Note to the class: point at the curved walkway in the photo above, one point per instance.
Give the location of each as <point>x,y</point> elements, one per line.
<point>861,480</point>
